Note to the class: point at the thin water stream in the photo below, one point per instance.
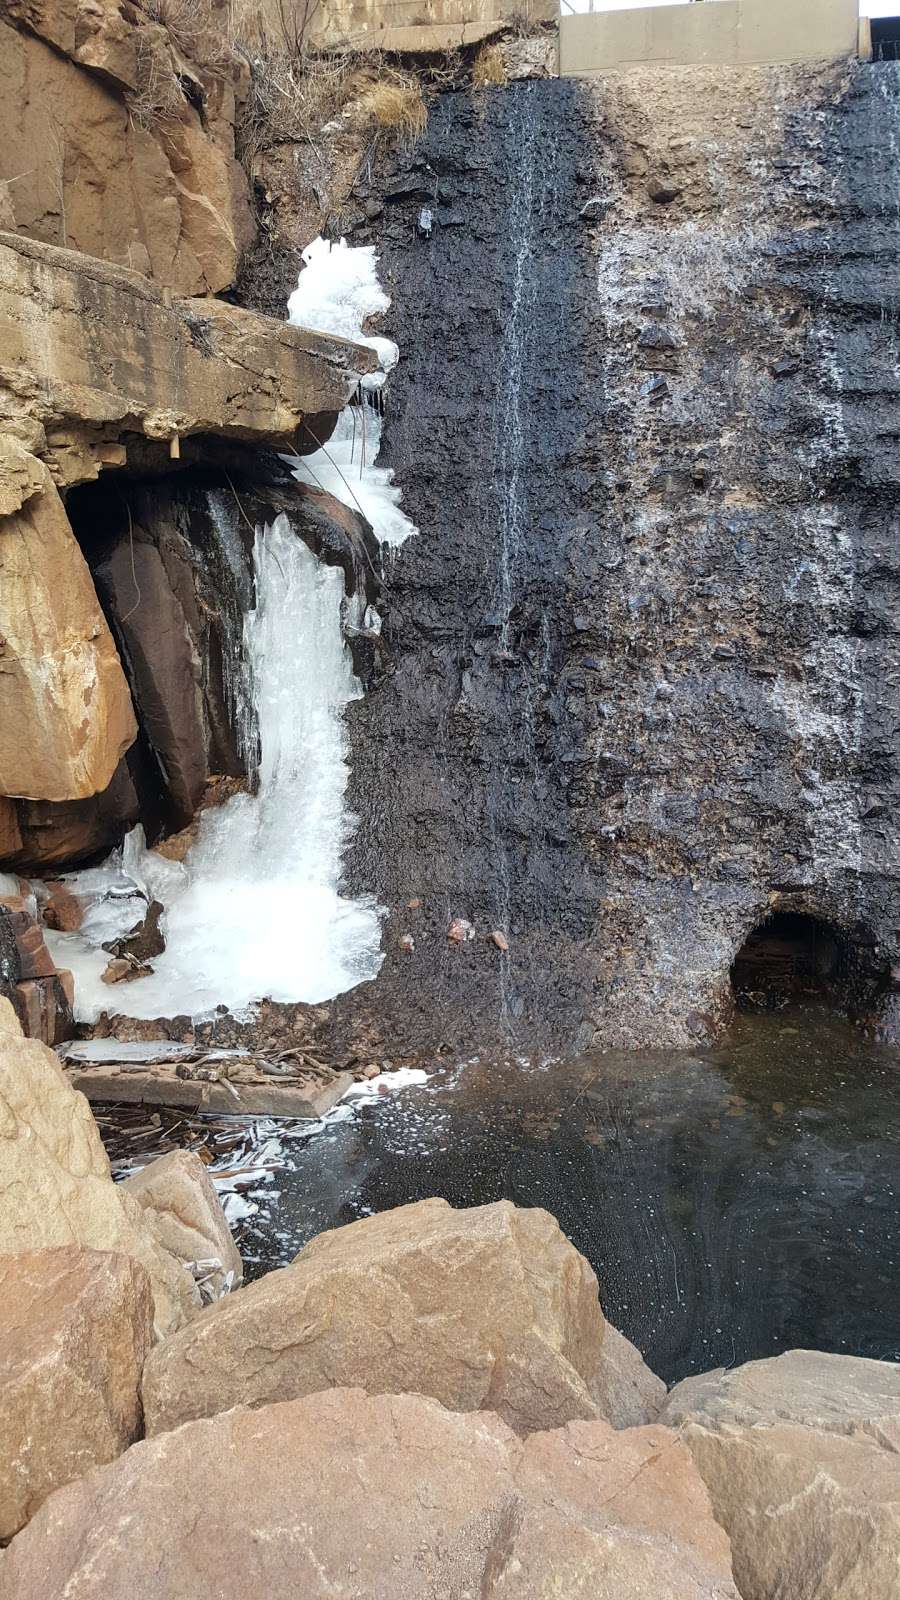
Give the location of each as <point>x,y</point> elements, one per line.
<point>733,1202</point>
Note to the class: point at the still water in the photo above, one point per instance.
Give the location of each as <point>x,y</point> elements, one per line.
<point>733,1202</point>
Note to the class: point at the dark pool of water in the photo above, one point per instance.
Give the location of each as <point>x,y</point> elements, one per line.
<point>733,1202</point>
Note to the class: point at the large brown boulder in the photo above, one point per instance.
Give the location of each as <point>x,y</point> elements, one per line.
<point>485,1309</point>
<point>55,1183</point>
<point>350,1497</point>
<point>61,671</point>
<point>179,1201</point>
<point>801,1456</point>
<point>75,1329</point>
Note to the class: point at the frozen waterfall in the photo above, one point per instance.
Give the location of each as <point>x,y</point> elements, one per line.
<point>255,909</point>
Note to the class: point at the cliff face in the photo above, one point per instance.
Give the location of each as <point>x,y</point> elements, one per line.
<point>118,137</point>
<point>644,654</point>
<point>128,399</point>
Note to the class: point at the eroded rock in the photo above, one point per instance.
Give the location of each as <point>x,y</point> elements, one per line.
<point>133,168</point>
<point>61,671</point>
<point>179,1201</point>
<point>75,1329</point>
<point>483,1308</point>
<point>216,369</point>
<point>801,1456</point>
<point>164,668</point>
<point>384,1498</point>
<point>55,1184</point>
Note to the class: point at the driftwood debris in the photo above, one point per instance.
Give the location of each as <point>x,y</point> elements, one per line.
<point>287,1083</point>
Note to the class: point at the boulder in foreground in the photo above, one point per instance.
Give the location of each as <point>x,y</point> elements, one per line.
<point>75,1328</point>
<point>801,1456</point>
<point>484,1309</point>
<point>179,1200</point>
<point>346,1496</point>
<point>55,1183</point>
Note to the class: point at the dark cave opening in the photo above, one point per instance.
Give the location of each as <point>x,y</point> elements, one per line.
<point>885,38</point>
<point>792,958</point>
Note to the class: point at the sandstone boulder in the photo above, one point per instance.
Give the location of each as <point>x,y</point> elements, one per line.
<point>347,1495</point>
<point>836,1394</point>
<point>55,1184</point>
<point>488,1308</point>
<point>75,1328</point>
<point>179,1201</point>
<point>61,671</point>
<point>801,1456</point>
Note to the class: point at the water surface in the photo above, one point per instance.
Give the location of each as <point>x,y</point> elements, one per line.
<point>733,1202</point>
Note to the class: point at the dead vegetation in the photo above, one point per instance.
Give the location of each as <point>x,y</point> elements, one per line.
<point>158,97</point>
<point>295,89</point>
<point>293,98</point>
<point>489,67</point>
<point>189,23</point>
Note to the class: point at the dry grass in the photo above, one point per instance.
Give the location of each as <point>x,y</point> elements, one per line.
<point>397,103</point>
<point>295,90</point>
<point>489,66</point>
<point>292,98</point>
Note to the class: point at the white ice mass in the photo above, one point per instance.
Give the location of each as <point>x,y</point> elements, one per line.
<point>337,291</point>
<point>255,910</point>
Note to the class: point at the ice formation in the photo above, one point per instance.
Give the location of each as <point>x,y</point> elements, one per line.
<point>255,909</point>
<point>337,291</point>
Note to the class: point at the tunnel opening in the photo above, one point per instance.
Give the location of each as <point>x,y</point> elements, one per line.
<point>885,38</point>
<point>792,958</point>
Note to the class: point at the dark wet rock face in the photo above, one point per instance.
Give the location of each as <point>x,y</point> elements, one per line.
<point>465,758</point>
<point>172,559</point>
<point>643,656</point>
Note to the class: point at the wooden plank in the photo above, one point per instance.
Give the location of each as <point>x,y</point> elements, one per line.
<point>263,1097</point>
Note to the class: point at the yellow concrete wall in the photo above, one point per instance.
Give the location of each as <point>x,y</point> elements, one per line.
<point>336,21</point>
<point>730,32</point>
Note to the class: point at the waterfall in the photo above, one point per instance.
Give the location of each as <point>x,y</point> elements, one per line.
<point>255,910</point>
<point>510,452</point>
<point>510,441</point>
<point>337,292</point>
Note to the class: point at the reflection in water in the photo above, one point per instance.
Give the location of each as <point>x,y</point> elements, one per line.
<point>733,1203</point>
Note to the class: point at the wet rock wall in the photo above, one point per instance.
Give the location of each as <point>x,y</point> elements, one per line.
<point>642,659</point>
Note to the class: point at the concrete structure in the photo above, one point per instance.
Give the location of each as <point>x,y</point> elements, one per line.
<point>418,26</point>
<point>728,32</point>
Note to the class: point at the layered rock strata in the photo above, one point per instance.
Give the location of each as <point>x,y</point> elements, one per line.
<point>643,659</point>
